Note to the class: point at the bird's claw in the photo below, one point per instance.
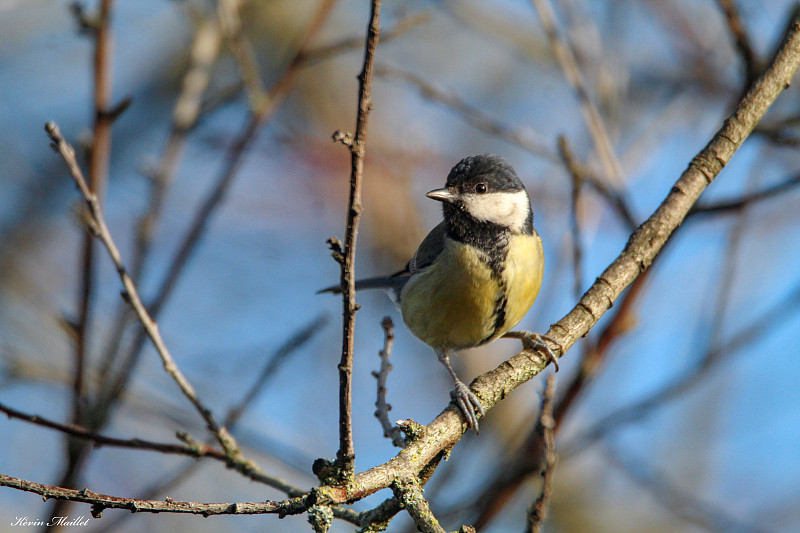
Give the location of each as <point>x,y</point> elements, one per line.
<point>468,403</point>
<point>536,342</point>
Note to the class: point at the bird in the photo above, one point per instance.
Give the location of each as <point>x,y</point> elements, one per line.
<point>476,274</point>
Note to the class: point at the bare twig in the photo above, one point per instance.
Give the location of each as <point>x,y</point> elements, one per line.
<point>190,448</point>
<point>201,450</point>
<point>577,178</point>
<point>357,145</point>
<point>737,204</point>
<point>390,431</point>
<point>204,51</point>
<point>594,122</point>
<point>741,39</point>
<point>545,426</point>
<point>782,311</point>
<point>100,502</point>
<point>525,138</point>
<point>275,362</point>
<point>198,226</point>
<point>97,226</point>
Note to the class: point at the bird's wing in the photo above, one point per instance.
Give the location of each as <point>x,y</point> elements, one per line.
<point>428,250</point>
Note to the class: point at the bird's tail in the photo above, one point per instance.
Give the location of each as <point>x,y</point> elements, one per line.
<point>393,283</point>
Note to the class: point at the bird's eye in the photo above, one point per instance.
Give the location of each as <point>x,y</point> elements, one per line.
<point>480,188</point>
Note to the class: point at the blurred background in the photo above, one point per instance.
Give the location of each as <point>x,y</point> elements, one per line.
<point>688,418</point>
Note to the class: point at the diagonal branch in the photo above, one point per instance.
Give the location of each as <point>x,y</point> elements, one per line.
<point>447,429</point>
<point>97,225</point>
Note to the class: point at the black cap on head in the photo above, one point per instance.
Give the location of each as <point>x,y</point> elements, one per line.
<point>488,168</point>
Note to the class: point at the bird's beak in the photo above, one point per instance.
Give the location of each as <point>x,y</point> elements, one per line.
<point>443,195</point>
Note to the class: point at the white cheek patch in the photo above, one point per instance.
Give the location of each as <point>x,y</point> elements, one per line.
<point>508,209</point>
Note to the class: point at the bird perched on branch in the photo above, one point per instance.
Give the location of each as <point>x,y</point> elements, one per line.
<point>476,274</point>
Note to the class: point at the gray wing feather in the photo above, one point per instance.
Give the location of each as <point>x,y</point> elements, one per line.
<point>428,250</point>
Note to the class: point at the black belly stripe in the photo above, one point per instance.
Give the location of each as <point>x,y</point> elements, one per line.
<point>492,241</point>
<point>499,311</point>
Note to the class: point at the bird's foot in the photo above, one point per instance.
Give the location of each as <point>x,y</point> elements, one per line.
<point>536,342</point>
<point>468,403</point>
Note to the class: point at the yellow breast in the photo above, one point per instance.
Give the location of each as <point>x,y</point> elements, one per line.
<point>455,302</point>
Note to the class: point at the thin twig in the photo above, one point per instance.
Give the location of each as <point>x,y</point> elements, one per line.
<point>594,122</point>
<point>525,138</point>
<point>202,450</point>
<point>204,51</point>
<point>577,178</point>
<point>100,502</point>
<point>390,431</point>
<point>357,145</point>
<point>741,39</point>
<point>190,448</point>
<point>545,427</point>
<point>204,214</point>
<point>737,204</point>
<point>782,311</point>
<point>98,227</point>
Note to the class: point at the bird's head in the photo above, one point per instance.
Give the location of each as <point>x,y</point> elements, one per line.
<point>485,189</point>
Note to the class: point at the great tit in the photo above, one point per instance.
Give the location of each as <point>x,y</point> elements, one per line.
<point>476,274</point>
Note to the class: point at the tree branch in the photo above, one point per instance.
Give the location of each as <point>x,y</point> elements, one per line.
<point>446,430</point>
<point>100,502</point>
<point>390,431</point>
<point>97,226</point>
<point>410,493</point>
<point>357,146</point>
<point>545,427</point>
<point>200,450</point>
